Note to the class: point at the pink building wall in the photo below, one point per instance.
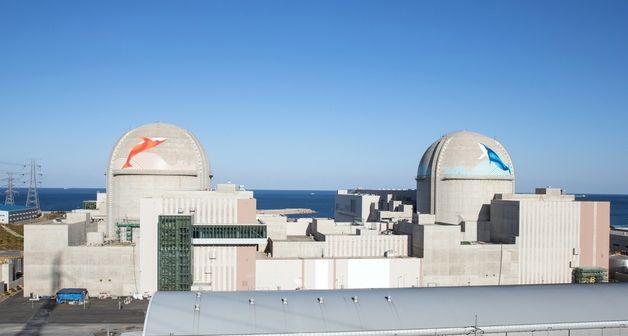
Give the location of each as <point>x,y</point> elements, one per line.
<point>245,267</point>
<point>594,234</point>
<point>246,211</point>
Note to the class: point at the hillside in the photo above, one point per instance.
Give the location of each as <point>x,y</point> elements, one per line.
<point>10,242</point>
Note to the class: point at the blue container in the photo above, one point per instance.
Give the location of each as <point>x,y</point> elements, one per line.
<point>78,295</point>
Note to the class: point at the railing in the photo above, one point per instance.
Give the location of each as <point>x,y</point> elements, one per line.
<point>229,231</point>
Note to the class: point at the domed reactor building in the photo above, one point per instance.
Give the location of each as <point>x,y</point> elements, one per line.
<point>147,161</point>
<point>157,228</point>
<point>459,175</point>
<point>471,228</point>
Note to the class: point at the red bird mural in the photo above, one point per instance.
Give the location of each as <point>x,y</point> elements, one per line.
<point>146,144</point>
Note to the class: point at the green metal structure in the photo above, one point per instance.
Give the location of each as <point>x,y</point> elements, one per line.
<point>89,205</point>
<point>128,229</point>
<point>174,252</point>
<point>589,275</point>
<point>229,231</point>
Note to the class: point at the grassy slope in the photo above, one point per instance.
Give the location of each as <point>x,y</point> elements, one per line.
<point>10,242</point>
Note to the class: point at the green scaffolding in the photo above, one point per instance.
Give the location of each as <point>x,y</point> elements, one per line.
<point>589,275</point>
<point>89,205</point>
<point>229,231</point>
<point>174,253</point>
<point>128,229</point>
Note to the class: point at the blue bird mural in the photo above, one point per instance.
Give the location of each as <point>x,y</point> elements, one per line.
<point>493,157</point>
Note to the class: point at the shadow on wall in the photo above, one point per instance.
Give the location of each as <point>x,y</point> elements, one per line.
<point>38,321</point>
<point>55,278</point>
<point>485,213</point>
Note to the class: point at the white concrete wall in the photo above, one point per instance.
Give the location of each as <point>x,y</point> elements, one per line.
<point>368,273</point>
<point>460,200</point>
<point>150,208</point>
<point>447,262</point>
<point>277,274</point>
<point>548,234</point>
<point>362,211</point>
<point>298,249</point>
<point>299,228</point>
<point>99,269</point>
<point>365,246</point>
<point>341,246</point>
<point>337,273</point>
<point>219,209</point>
<point>6,272</point>
<point>214,267</point>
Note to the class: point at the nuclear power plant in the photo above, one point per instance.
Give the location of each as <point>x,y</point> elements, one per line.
<point>163,226</point>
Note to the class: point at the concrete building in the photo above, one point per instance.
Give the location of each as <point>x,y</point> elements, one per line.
<point>10,270</point>
<point>374,205</point>
<point>458,176</point>
<point>553,233</point>
<point>472,229</point>
<point>619,240</point>
<point>219,249</point>
<point>149,160</point>
<point>56,255</point>
<point>162,227</point>
<point>15,213</point>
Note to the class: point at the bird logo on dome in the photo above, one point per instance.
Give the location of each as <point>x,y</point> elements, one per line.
<point>487,152</point>
<point>146,144</point>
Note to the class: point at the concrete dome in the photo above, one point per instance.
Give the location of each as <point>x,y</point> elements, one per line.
<point>459,174</point>
<point>148,161</point>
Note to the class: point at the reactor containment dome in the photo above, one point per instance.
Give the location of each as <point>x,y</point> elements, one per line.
<point>148,161</point>
<point>459,174</point>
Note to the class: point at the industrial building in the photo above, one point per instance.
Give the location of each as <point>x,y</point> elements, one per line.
<point>11,263</point>
<point>619,240</point>
<point>493,310</point>
<point>15,213</point>
<point>162,226</point>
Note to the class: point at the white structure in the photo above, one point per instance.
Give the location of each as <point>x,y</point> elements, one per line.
<point>56,256</point>
<point>513,310</point>
<point>218,262</point>
<point>374,205</point>
<point>458,176</point>
<point>147,161</point>
<point>15,213</point>
<point>10,269</point>
<point>471,229</point>
<point>165,229</point>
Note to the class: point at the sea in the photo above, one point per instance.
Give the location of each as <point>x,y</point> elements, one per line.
<point>321,201</point>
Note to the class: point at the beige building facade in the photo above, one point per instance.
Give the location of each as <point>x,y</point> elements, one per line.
<point>161,227</point>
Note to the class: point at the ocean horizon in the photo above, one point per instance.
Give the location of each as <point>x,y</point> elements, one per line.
<point>321,201</point>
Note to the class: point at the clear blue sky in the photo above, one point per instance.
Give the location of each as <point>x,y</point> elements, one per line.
<point>320,94</point>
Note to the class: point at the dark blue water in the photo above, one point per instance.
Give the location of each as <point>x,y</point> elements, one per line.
<point>321,201</point>
<point>59,199</point>
<point>317,200</point>
<point>619,207</point>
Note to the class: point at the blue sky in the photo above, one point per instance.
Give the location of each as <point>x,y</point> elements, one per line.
<point>320,94</point>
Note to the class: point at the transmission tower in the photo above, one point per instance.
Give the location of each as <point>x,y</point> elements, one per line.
<point>9,192</point>
<point>32,199</point>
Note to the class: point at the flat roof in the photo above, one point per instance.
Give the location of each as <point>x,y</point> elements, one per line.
<point>415,311</point>
<point>10,254</point>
